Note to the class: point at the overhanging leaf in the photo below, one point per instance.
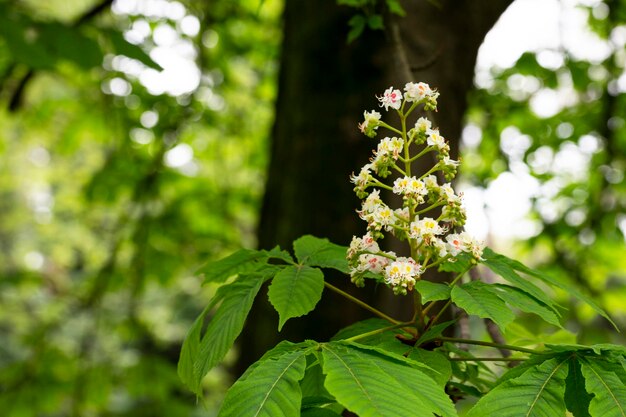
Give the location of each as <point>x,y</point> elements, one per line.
<point>432,291</point>
<point>315,251</point>
<point>295,291</point>
<point>576,396</point>
<point>241,262</point>
<point>372,385</point>
<point>474,298</point>
<point>435,360</point>
<point>538,392</point>
<point>609,392</point>
<point>122,47</point>
<point>518,266</point>
<point>521,300</point>
<point>386,339</point>
<point>497,264</point>
<point>272,388</point>
<point>200,354</point>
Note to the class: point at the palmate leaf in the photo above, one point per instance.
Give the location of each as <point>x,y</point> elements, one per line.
<point>609,392</point>
<point>373,385</point>
<point>270,389</point>
<point>200,353</point>
<point>315,251</point>
<point>478,300</point>
<point>241,262</point>
<point>295,291</point>
<point>538,392</point>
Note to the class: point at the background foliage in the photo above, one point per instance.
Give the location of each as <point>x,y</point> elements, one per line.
<point>116,184</point>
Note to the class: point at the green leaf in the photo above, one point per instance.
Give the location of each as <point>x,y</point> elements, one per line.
<point>295,291</point>
<point>22,41</point>
<point>241,262</point>
<point>271,389</point>
<point>462,263</point>
<point>200,354</point>
<point>436,361</point>
<point>395,7</point>
<point>576,397</point>
<point>357,25</point>
<point>497,263</point>
<point>122,47</point>
<point>386,339</point>
<point>474,298</point>
<point>313,382</point>
<point>609,392</point>
<point>518,266</point>
<point>314,251</point>
<point>70,44</point>
<point>538,392</point>
<point>432,291</point>
<point>372,385</point>
<point>434,332</point>
<point>375,22</point>
<point>521,300</point>
<point>318,412</point>
<point>190,351</point>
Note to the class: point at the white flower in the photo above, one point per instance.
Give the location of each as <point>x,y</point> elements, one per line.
<point>422,125</point>
<point>435,139</point>
<point>439,246</point>
<point>451,163</point>
<point>463,242</point>
<point>364,244</point>
<point>371,122</point>
<point>372,263</point>
<point>371,202</point>
<point>390,146</point>
<point>409,185</point>
<point>425,229</point>
<point>417,91</point>
<point>402,272</point>
<point>363,178</point>
<point>383,217</point>
<point>400,185</point>
<point>391,98</point>
<point>430,182</point>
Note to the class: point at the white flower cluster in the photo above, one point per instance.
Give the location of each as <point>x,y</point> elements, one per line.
<point>430,212</point>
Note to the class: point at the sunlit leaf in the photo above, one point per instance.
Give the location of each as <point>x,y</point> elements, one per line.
<point>295,291</point>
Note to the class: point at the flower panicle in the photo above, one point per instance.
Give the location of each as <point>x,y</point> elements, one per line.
<point>432,215</point>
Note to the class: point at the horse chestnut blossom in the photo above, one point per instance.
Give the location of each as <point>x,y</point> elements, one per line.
<point>431,216</point>
<point>370,124</point>
<point>391,98</point>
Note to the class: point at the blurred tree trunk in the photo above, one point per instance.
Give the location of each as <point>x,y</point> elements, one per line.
<point>324,86</point>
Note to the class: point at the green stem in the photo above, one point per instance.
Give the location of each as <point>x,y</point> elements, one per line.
<point>381,184</point>
<point>432,206</point>
<point>397,168</point>
<point>486,359</point>
<point>360,303</point>
<point>488,344</point>
<point>393,129</point>
<point>373,332</point>
<point>424,151</point>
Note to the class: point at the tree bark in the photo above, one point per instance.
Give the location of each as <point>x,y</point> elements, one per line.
<point>325,85</point>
